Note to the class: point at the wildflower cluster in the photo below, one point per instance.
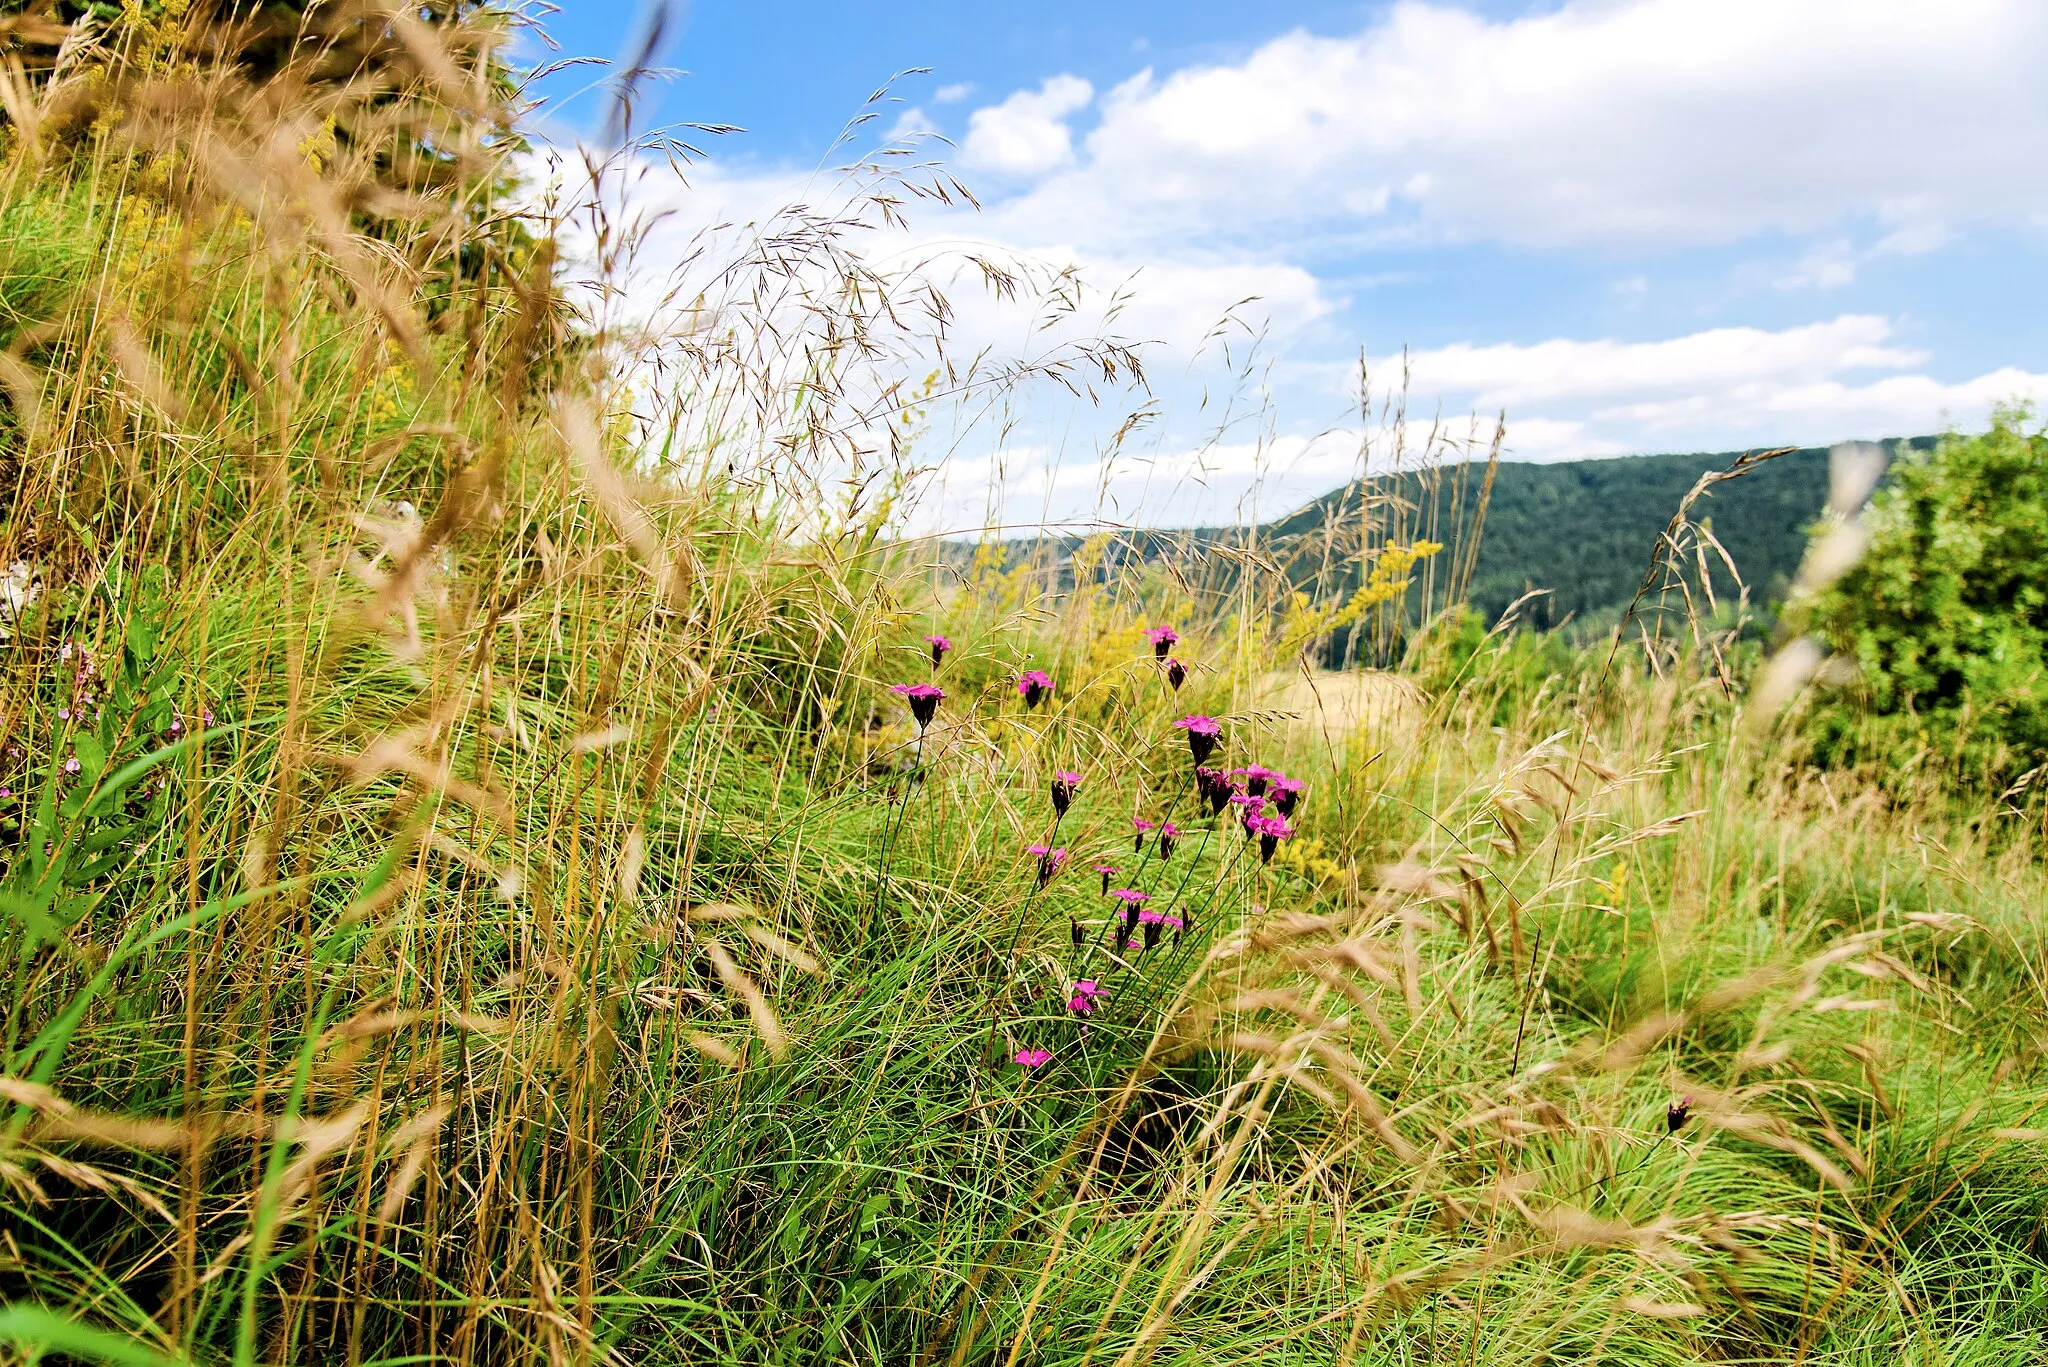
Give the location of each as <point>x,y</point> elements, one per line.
<point>1145,919</point>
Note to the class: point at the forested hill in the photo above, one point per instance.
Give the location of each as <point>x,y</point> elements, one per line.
<point>1586,529</point>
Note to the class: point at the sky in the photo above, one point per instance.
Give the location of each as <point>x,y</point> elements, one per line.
<point>1631,225</point>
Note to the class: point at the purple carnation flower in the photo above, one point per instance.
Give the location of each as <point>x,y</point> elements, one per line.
<point>1031,1058</point>
<point>1168,833</point>
<point>924,700</point>
<point>1271,830</point>
<point>1286,793</point>
<point>1176,674</point>
<point>940,645</point>
<point>1202,735</point>
<point>1035,685</point>
<point>1049,861</point>
<point>1212,787</point>
<point>1063,785</point>
<point>1162,639</point>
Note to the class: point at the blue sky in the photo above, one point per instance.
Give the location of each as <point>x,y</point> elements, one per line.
<point>1636,225</point>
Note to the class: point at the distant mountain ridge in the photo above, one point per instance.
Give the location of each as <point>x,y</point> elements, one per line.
<point>1586,529</point>
<point>1583,531</point>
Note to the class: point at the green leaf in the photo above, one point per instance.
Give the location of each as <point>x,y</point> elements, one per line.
<point>143,628</point>
<point>45,1331</point>
<point>34,916</point>
<point>92,756</point>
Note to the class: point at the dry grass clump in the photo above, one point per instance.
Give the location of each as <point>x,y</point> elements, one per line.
<point>496,874</point>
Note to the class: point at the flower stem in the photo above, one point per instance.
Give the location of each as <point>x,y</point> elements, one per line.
<point>889,844</point>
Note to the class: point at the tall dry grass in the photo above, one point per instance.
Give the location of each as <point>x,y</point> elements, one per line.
<point>471,896</point>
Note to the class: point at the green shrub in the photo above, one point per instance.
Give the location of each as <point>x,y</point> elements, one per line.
<point>1947,613</point>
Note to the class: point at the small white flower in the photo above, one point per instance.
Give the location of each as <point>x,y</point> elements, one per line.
<point>20,586</point>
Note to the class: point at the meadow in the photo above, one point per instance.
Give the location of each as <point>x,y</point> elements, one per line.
<point>510,855</point>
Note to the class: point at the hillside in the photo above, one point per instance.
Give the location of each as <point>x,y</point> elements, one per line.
<point>1585,529</point>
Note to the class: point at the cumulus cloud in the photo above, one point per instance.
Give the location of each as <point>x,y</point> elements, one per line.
<point>1646,122</point>
<point>1027,134</point>
<point>1822,382</point>
<point>1513,376</point>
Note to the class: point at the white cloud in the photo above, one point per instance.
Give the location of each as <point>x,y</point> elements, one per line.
<point>912,123</point>
<point>1027,134</point>
<point>1832,263</point>
<point>1642,122</point>
<point>1505,375</point>
<point>1180,310</point>
<point>954,93</point>
<point>1221,482</point>
<point>1822,382</point>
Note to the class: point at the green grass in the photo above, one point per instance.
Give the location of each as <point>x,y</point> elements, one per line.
<point>559,946</point>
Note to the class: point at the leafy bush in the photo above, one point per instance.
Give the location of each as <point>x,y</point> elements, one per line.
<point>1947,613</point>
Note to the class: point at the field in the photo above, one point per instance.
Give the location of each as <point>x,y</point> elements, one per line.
<point>479,889</point>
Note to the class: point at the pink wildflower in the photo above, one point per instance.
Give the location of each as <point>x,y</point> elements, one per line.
<point>1176,674</point>
<point>1271,830</point>
<point>1049,861</point>
<point>1287,793</point>
<point>1202,735</point>
<point>1064,784</point>
<point>1032,1058</point>
<point>1035,685</point>
<point>1082,1000</point>
<point>924,700</point>
<point>1162,639</point>
<point>940,645</point>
